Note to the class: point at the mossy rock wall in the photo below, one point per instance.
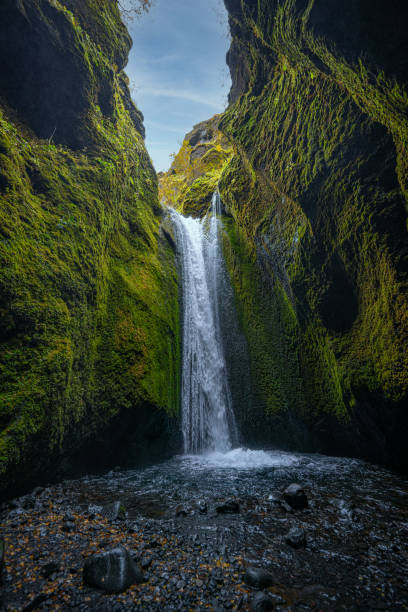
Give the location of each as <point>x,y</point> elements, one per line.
<point>89,357</point>
<point>317,245</point>
<point>189,184</point>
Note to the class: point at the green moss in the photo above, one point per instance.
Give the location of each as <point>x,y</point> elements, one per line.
<point>193,177</point>
<point>88,286</point>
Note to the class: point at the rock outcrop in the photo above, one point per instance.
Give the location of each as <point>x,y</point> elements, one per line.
<point>89,347</point>
<point>315,194</point>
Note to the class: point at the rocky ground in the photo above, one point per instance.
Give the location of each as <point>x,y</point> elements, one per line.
<point>292,549</point>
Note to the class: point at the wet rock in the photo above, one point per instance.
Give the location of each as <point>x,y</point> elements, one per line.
<point>295,496</point>
<point>181,512</point>
<point>49,568</point>
<point>286,507</point>
<point>114,511</point>
<point>146,561</point>
<point>217,575</point>
<point>113,571</point>
<point>262,602</point>
<point>296,538</point>
<point>202,506</point>
<point>259,578</point>
<point>228,507</point>
<point>68,527</point>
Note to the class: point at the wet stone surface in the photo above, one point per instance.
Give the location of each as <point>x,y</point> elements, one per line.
<point>355,556</point>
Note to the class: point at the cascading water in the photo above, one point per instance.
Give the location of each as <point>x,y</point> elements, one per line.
<point>208,421</point>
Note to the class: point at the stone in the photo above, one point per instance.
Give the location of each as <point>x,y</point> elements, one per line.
<point>258,578</point>
<point>295,496</point>
<point>114,511</point>
<point>181,512</point>
<point>296,538</point>
<point>49,568</point>
<point>68,526</point>
<point>146,561</point>
<point>262,602</point>
<point>229,507</point>
<point>202,506</point>
<point>113,571</point>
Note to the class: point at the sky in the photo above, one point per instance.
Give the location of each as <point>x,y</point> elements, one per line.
<point>177,70</point>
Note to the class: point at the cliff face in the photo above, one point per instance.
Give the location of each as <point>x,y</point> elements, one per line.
<point>89,356</point>
<point>315,195</point>
<point>317,189</point>
<point>194,175</point>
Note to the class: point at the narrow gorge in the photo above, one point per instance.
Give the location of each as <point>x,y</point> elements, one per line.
<point>204,370</point>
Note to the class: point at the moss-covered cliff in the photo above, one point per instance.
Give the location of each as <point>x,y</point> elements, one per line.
<point>89,356</point>
<point>195,172</point>
<point>316,239</point>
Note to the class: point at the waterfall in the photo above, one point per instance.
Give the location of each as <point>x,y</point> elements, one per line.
<point>208,421</point>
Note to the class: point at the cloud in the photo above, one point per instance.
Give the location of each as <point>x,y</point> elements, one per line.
<point>163,59</point>
<point>181,94</point>
<point>162,126</point>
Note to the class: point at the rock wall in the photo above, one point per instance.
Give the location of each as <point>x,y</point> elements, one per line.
<point>317,248</point>
<point>89,327</point>
<point>314,186</point>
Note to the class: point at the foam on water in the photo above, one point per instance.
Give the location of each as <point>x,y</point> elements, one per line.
<point>243,459</point>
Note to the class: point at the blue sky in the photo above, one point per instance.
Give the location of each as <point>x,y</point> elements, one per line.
<point>177,70</point>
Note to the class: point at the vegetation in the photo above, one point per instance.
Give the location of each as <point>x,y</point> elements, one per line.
<point>88,283</point>
<point>193,177</point>
<point>315,193</point>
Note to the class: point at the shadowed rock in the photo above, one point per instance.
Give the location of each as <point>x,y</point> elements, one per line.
<point>296,538</point>
<point>295,496</point>
<point>113,571</point>
<point>259,578</point>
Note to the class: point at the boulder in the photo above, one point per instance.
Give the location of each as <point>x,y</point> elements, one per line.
<point>262,602</point>
<point>228,507</point>
<point>295,496</point>
<point>259,578</point>
<point>112,571</point>
<point>296,538</point>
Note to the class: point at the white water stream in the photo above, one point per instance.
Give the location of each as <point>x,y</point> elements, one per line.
<point>208,421</point>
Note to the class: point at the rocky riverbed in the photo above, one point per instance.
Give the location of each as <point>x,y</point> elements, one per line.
<point>222,532</point>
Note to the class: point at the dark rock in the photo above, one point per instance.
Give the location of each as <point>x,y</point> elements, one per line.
<point>295,496</point>
<point>181,512</point>
<point>217,575</point>
<point>296,538</point>
<point>146,561</point>
<point>49,568</point>
<point>229,507</point>
<point>262,602</point>
<point>112,571</point>
<point>37,491</point>
<point>68,526</point>
<point>202,506</point>
<point>259,578</point>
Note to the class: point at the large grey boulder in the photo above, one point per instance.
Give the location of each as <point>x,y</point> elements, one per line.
<point>112,571</point>
<point>295,496</point>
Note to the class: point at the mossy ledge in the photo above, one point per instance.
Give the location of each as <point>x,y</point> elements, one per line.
<point>89,358</point>
<point>315,197</point>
